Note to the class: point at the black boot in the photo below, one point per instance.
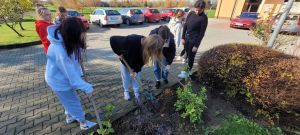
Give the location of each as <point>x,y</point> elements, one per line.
<point>157,85</point>
<point>166,81</point>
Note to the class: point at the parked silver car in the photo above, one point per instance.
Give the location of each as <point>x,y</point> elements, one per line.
<point>132,15</point>
<point>106,17</point>
<point>291,23</point>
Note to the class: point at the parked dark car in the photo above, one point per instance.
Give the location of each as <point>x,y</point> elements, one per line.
<point>246,20</point>
<point>75,13</point>
<point>132,16</point>
<point>151,15</point>
<point>166,14</point>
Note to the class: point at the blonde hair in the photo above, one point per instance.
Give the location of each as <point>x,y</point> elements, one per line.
<point>42,10</point>
<point>152,48</point>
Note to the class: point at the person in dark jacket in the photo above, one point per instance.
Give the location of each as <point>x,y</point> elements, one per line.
<point>137,51</point>
<point>169,51</point>
<point>193,32</point>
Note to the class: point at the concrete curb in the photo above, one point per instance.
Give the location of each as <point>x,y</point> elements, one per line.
<point>12,46</point>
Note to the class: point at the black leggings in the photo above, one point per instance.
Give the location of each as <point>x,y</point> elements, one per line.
<point>189,44</point>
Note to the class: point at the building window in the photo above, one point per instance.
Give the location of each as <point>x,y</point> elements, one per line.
<point>252,5</point>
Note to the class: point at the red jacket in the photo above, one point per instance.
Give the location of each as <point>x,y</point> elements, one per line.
<point>41,29</point>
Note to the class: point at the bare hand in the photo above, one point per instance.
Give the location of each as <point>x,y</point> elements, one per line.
<point>121,57</point>
<point>183,41</point>
<point>133,74</point>
<point>194,49</point>
<point>89,94</point>
<point>168,67</point>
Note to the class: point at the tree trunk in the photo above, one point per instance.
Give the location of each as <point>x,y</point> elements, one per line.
<point>20,22</point>
<point>21,26</point>
<point>12,27</point>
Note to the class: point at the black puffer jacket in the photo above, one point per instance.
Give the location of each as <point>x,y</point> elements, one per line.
<point>131,48</point>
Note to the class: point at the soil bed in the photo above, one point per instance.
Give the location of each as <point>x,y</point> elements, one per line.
<point>160,118</point>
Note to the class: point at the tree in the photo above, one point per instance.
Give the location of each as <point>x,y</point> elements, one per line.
<point>25,6</point>
<point>10,14</point>
<point>74,4</point>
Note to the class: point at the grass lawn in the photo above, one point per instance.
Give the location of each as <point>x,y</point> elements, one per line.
<point>210,13</point>
<point>8,36</point>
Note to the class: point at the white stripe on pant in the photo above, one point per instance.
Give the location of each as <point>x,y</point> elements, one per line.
<point>126,79</point>
<point>71,103</point>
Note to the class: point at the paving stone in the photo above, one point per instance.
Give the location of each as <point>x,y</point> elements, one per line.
<point>34,129</point>
<point>21,128</point>
<point>2,129</point>
<point>25,96</point>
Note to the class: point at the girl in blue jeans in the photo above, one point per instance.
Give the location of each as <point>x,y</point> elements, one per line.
<point>63,72</point>
<point>169,51</point>
<point>137,51</point>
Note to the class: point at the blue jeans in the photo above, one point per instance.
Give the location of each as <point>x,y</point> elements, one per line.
<point>158,73</point>
<point>71,103</point>
<point>126,79</point>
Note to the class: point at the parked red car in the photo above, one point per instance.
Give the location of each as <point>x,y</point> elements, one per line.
<point>74,13</point>
<point>166,14</point>
<point>151,15</point>
<point>245,21</point>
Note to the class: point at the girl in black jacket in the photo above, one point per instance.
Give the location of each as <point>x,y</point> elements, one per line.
<point>169,51</point>
<point>193,32</point>
<point>137,51</point>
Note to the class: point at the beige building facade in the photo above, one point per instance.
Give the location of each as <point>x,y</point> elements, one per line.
<point>232,8</point>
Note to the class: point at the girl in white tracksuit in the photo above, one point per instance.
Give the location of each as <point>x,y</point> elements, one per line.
<point>63,72</point>
<point>175,26</point>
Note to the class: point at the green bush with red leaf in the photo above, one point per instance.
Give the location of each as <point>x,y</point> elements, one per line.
<point>268,79</point>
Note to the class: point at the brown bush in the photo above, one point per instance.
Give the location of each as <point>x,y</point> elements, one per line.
<point>269,80</point>
<point>277,84</point>
<point>225,67</point>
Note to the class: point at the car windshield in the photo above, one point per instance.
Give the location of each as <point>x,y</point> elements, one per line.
<point>249,15</point>
<point>112,12</point>
<point>73,13</point>
<point>174,10</point>
<point>154,11</point>
<point>136,11</point>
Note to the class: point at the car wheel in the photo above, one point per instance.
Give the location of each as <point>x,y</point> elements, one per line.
<point>141,23</point>
<point>146,20</point>
<point>100,24</point>
<point>128,22</point>
<point>168,19</point>
<point>118,25</point>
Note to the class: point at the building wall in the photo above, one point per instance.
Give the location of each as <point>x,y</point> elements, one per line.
<point>266,8</point>
<point>270,7</point>
<point>225,8</point>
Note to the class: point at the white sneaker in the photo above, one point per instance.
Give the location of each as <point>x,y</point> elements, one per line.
<point>87,124</point>
<point>182,75</point>
<point>126,96</point>
<point>70,119</point>
<point>137,95</point>
<point>178,58</point>
<point>184,61</point>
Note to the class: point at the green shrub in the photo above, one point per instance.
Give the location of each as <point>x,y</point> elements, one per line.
<point>191,103</point>
<point>106,123</point>
<point>239,125</point>
<point>268,79</point>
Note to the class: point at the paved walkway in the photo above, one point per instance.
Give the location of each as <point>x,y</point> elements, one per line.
<point>28,106</point>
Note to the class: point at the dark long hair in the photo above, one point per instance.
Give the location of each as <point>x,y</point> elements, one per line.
<point>73,34</point>
<point>164,32</point>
